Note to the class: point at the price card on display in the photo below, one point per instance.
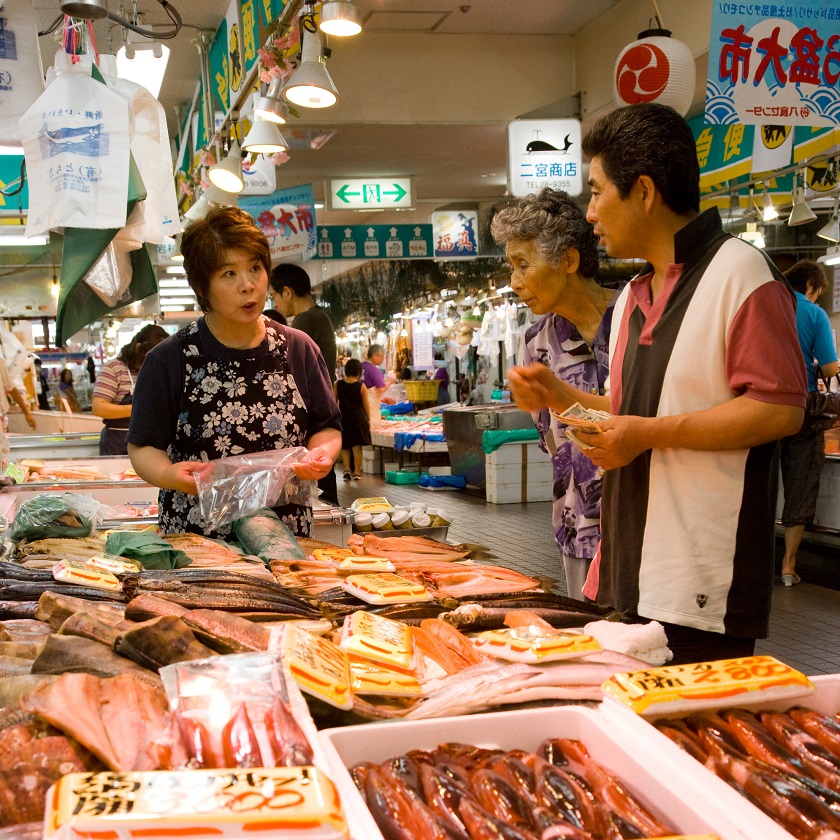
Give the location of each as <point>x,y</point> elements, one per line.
<point>378,638</point>
<point>319,666</point>
<point>533,644</point>
<point>706,685</point>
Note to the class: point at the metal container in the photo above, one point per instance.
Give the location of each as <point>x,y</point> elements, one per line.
<point>332,524</point>
<point>463,427</point>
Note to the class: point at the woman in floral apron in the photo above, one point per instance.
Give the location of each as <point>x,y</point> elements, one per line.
<point>232,382</point>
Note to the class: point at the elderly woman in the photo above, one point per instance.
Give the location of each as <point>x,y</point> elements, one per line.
<point>553,257</point>
<point>230,383</point>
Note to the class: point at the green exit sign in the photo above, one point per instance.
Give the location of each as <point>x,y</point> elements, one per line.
<point>370,193</point>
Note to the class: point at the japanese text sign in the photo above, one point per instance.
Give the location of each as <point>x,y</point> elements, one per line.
<point>358,242</point>
<point>454,233</point>
<point>774,63</point>
<point>544,153</point>
<point>287,218</point>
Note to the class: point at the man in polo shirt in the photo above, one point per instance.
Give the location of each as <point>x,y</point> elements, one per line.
<point>705,376</point>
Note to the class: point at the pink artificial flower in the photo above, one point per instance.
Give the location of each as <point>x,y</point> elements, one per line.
<point>279,159</point>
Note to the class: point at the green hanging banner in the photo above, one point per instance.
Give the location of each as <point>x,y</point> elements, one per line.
<point>218,58</point>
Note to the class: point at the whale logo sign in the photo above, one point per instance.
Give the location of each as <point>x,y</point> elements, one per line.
<point>642,74</point>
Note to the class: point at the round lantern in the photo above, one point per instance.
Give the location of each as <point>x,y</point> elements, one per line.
<point>655,68</point>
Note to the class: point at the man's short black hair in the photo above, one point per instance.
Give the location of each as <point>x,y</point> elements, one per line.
<point>293,276</point>
<point>806,273</point>
<point>653,140</point>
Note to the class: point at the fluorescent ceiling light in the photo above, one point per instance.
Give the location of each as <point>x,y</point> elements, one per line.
<point>11,150</point>
<point>753,235</point>
<point>16,238</point>
<point>143,63</point>
<point>831,257</point>
<point>179,300</point>
<point>173,308</point>
<point>175,269</point>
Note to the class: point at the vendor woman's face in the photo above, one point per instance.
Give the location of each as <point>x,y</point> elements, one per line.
<point>539,286</point>
<point>237,288</point>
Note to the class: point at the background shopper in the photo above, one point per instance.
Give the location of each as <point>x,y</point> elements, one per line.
<point>113,392</point>
<point>67,392</point>
<point>553,257</point>
<point>230,383</point>
<point>42,387</point>
<point>351,394</point>
<point>803,454</point>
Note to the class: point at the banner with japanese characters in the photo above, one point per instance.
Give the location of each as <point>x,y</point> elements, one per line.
<point>287,218</point>
<point>454,233</point>
<point>774,64</point>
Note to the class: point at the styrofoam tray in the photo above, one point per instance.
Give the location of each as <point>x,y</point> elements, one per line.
<point>666,794</point>
<point>749,820</point>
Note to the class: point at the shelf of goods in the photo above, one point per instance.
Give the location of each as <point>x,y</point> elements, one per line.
<point>418,436</point>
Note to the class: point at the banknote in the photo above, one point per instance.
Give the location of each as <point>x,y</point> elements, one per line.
<point>582,419</point>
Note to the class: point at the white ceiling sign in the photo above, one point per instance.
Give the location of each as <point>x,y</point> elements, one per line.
<point>371,193</point>
<point>544,153</point>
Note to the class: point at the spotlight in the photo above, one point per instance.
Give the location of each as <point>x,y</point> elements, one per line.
<point>85,9</point>
<point>264,138</point>
<point>310,85</point>
<point>341,17</point>
<point>227,174</point>
<point>831,257</point>
<point>753,234</point>
<point>271,106</point>
<point>831,231</point>
<point>800,213</point>
<point>768,209</point>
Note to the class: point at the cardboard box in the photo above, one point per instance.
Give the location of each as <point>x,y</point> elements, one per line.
<point>666,794</point>
<point>748,820</point>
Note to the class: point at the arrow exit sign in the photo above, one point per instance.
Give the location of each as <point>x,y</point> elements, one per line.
<point>370,193</point>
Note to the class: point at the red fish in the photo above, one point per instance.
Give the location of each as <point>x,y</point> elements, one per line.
<point>444,795</point>
<point>239,743</point>
<point>516,773</point>
<point>197,744</point>
<point>484,826</point>
<point>715,735</point>
<point>801,743</point>
<point>824,728</point>
<point>563,795</point>
<point>683,737</point>
<point>500,798</point>
<point>288,743</point>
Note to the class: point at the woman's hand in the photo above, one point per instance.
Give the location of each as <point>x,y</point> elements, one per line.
<point>181,476</point>
<point>317,463</point>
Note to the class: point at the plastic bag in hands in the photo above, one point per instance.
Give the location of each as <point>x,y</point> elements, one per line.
<point>230,488</point>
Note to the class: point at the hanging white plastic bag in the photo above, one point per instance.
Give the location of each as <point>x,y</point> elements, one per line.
<point>76,143</point>
<point>20,66</point>
<point>110,276</point>
<point>230,488</point>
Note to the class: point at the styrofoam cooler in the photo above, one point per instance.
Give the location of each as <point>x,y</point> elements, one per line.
<point>747,820</point>
<point>371,460</point>
<point>664,791</point>
<point>519,473</point>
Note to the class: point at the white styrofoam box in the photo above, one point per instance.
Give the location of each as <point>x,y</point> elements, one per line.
<point>440,470</point>
<point>517,473</point>
<point>515,453</point>
<point>747,819</point>
<point>506,494</point>
<point>664,794</point>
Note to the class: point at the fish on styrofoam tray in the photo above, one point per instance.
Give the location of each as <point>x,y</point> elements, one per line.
<point>665,792</point>
<point>748,820</point>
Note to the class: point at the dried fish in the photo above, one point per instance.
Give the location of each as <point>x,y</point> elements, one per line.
<point>160,641</point>
<point>72,654</point>
<point>146,606</point>
<point>88,626</point>
<point>23,630</point>
<point>24,650</point>
<point>225,632</point>
<point>55,608</point>
<point>14,666</point>
<point>18,609</point>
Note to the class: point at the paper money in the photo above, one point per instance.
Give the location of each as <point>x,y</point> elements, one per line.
<point>582,419</point>
<point>576,440</point>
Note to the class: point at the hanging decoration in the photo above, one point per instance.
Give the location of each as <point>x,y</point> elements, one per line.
<point>655,68</point>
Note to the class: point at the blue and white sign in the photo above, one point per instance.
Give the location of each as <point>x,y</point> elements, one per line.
<point>358,242</point>
<point>544,153</point>
<point>774,64</point>
<point>454,233</point>
<point>287,218</point>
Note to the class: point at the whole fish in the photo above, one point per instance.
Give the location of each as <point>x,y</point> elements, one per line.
<point>480,617</point>
<point>88,626</point>
<point>225,632</point>
<point>160,641</point>
<point>18,609</point>
<point>824,728</point>
<point>23,630</point>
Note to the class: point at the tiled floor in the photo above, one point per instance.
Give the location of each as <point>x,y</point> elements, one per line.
<point>804,624</point>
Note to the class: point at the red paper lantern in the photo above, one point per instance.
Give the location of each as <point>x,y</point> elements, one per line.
<point>655,68</point>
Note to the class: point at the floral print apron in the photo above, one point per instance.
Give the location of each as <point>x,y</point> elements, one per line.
<point>232,408</point>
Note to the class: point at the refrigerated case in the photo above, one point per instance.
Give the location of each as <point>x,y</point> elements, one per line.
<point>52,445</point>
<point>463,427</point>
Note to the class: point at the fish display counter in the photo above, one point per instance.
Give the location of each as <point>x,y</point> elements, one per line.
<point>54,444</point>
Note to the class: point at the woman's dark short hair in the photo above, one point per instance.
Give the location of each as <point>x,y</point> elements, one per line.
<point>653,140</point>
<point>353,367</point>
<point>806,273</point>
<point>207,242</point>
<point>554,223</point>
<point>133,353</point>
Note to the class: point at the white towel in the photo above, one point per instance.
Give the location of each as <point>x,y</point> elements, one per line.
<point>647,642</point>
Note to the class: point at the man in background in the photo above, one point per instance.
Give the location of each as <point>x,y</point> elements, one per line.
<point>291,294</point>
<point>9,389</point>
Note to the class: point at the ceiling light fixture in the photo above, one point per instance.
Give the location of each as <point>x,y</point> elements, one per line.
<point>271,106</point>
<point>753,234</point>
<point>800,213</point>
<point>98,9</point>
<point>143,60</point>
<point>264,138</point>
<point>227,173</point>
<point>768,209</point>
<point>310,86</point>
<point>13,236</point>
<point>223,198</point>
<point>831,257</point>
<point>831,231</point>
<point>341,17</point>
<point>198,210</point>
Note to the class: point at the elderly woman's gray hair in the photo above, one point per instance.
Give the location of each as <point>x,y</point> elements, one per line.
<point>554,223</point>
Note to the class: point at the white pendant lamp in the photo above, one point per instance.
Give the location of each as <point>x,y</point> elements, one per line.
<point>224,198</point>
<point>198,210</point>
<point>753,235</point>
<point>341,17</point>
<point>831,231</point>
<point>227,173</point>
<point>800,213</point>
<point>264,138</point>
<point>310,86</point>
<point>271,106</point>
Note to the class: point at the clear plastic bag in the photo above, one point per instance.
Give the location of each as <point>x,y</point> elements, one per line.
<point>45,517</point>
<point>110,276</point>
<point>230,488</point>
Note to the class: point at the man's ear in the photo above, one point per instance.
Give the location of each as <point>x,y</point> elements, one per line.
<point>647,190</point>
